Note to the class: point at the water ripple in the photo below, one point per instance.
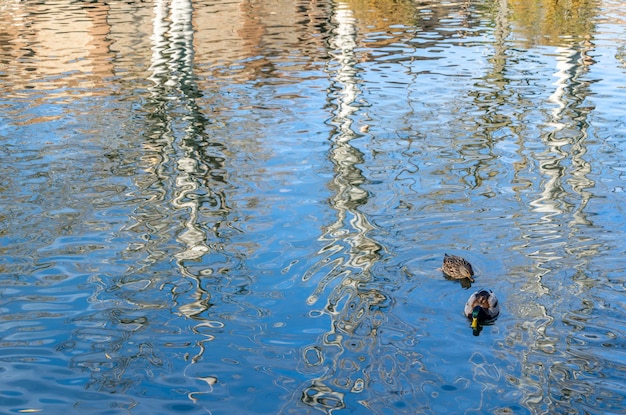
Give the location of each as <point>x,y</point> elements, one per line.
<point>218,205</point>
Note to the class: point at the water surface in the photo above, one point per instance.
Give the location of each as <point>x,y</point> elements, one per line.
<point>220,207</point>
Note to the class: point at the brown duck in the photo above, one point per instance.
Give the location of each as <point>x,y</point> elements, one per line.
<point>457,267</point>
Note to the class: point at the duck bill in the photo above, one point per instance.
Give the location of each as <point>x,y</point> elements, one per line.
<point>474,323</point>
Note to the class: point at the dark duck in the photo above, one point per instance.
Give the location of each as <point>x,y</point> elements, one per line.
<point>481,308</point>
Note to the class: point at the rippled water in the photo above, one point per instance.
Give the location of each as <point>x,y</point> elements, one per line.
<point>241,207</point>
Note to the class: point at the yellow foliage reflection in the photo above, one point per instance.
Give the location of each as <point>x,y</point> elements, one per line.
<point>549,22</point>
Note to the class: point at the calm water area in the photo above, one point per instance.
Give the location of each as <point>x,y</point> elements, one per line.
<point>242,206</point>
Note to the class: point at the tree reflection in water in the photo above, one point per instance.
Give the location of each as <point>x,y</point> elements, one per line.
<point>367,349</point>
<point>160,254</point>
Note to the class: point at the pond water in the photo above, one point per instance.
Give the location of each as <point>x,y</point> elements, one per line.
<point>242,206</point>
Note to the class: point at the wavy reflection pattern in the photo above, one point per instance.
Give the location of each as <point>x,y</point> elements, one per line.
<point>367,358</point>
<point>557,236</point>
<point>562,239</point>
<point>541,173</point>
<point>568,333</point>
<point>134,333</point>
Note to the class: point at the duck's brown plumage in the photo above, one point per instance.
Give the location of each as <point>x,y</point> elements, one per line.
<point>457,267</point>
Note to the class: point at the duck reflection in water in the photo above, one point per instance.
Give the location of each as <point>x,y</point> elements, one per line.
<point>481,308</point>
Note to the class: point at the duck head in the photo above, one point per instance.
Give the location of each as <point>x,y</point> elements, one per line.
<point>478,315</point>
<point>476,328</point>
